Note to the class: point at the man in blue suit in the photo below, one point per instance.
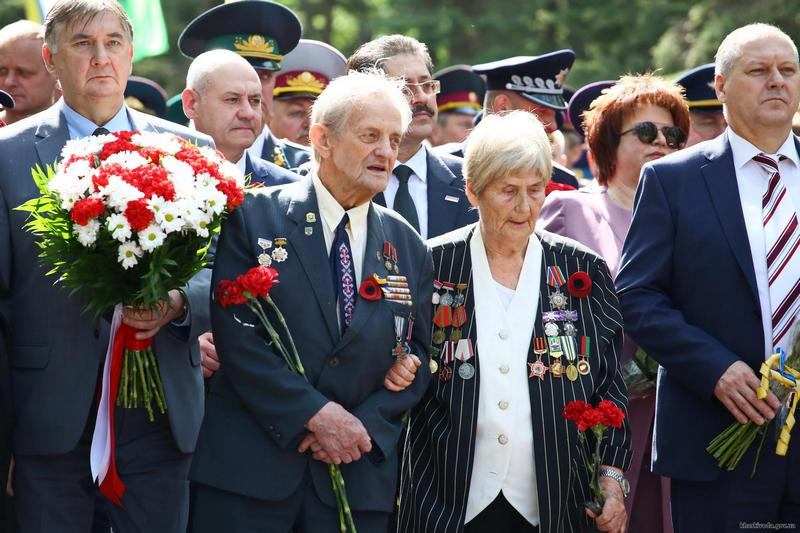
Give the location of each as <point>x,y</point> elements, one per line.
<point>425,187</point>
<point>55,350</point>
<point>269,434</point>
<point>699,292</point>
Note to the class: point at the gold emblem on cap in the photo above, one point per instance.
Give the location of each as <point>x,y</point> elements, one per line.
<point>256,46</point>
<point>306,80</point>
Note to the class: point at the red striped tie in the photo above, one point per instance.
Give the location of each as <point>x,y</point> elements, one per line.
<point>782,238</point>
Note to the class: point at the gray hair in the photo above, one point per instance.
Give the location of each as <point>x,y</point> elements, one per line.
<point>21,29</point>
<point>371,55</point>
<point>203,66</point>
<point>345,94</point>
<point>66,12</point>
<point>505,144</point>
<point>730,50</point>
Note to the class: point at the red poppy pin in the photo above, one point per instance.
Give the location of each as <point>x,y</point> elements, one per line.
<point>370,289</point>
<point>579,285</point>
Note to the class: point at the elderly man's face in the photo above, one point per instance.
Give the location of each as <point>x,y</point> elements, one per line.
<point>423,104</point>
<point>510,205</point>
<point>361,158</point>
<point>705,126</point>
<point>24,76</point>
<point>763,88</point>
<point>93,60</point>
<point>290,119</point>
<point>229,108</point>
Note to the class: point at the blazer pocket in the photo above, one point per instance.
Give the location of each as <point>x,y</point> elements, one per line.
<point>29,356</point>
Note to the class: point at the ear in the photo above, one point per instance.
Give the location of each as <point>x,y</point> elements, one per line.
<point>320,138</point>
<point>719,87</point>
<point>47,56</point>
<point>189,99</point>
<point>502,103</point>
<point>471,196</point>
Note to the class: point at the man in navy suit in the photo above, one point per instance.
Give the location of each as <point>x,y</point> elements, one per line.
<point>269,434</point>
<point>425,187</point>
<point>697,296</point>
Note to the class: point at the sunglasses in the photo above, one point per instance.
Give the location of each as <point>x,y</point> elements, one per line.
<point>648,131</point>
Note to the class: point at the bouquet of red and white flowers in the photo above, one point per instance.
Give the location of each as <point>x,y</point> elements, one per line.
<point>124,218</point>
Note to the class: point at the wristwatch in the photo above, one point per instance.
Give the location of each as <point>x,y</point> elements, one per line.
<point>619,478</point>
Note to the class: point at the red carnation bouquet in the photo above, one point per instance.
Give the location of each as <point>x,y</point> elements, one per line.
<point>596,419</point>
<point>248,289</point>
<point>124,218</point>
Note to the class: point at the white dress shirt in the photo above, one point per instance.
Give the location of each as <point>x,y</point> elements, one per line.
<point>752,181</point>
<point>258,145</point>
<point>504,436</point>
<point>331,214</point>
<point>417,187</point>
<point>241,164</point>
<point>80,126</point>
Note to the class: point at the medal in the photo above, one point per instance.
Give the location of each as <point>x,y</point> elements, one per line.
<point>279,254</point>
<point>558,299</point>
<point>394,260</point>
<point>570,329</point>
<point>438,336</point>
<point>464,351</point>
<point>554,345</point>
<point>264,244</point>
<point>264,259</point>
<point>445,373</point>
<point>583,367</point>
<point>555,279</point>
<point>437,286</point>
<point>387,255</point>
<point>572,373</point>
<point>308,230</point>
<point>539,346</point>
<point>537,369</point>
<point>466,371</point>
<point>551,329</point>
<point>455,335</point>
<point>447,353</point>
<point>444,313</point>
<point>311,218</point>
<point>403,325</point>
<point>556,368</point>
<point>433,365</point>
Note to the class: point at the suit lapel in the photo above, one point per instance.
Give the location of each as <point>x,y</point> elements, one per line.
<point>51,136</point>
<point>442,183</point>
<point>723,189</point>
<point>139,122</point>
<point>310,250</point>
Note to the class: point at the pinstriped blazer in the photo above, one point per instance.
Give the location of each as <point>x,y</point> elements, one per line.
<point>439,450</point>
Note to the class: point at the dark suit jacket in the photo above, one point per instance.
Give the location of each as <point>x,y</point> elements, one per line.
<point>257,408</point>
<point>560,174</point>
<point>439,453</point>
<point>55,360</point>
<point>689,297</point>
<point>266,173</point>
<point>445,184</point>
<point>284,153</point>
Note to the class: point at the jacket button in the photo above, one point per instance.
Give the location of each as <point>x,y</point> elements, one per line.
<point>502,404</point>
<point>502,439</point>
<point>333,361</point>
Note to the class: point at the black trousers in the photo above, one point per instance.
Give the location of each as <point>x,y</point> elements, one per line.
<point>56,492</point>
<point>215,511</point>
<point>500,516</point>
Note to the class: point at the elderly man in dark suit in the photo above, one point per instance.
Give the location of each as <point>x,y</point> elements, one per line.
<point>55,350</point>
<point>425,187</point>
<point>708,286</point>
<point>268,433</point>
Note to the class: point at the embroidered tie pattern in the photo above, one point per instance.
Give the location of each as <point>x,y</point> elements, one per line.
<point>343,273</point>
<point>782,238</point>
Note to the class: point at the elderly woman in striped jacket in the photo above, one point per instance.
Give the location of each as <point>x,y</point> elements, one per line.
<point>513,342</point>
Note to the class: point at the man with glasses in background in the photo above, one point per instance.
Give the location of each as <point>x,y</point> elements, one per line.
<point>425,187</point>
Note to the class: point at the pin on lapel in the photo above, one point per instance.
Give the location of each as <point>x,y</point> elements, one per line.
<point>311,218</point>
<point>448,198</point>
<point>308,230</point>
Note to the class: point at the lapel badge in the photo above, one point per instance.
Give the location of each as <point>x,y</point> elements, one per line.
<point>279,254</point>
<point>311,218</point>
<point>264,244</point>
<point>556,368</point>
<point>264,259</point>
<point>449,198</point>
<point>308,230</point>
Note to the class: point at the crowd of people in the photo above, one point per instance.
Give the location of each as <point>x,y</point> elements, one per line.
<point>528,246</point>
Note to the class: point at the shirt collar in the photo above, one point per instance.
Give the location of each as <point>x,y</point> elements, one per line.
<point>418,163</point>
<point>744,151</point>
<point>331,212</point>
<point>80,126</point>
<point>241,164</point>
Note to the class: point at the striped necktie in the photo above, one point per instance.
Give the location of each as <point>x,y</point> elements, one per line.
<point>782,238</point>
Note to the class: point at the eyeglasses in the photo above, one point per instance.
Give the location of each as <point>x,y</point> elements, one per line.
<point>648,131</point>
<point>428,87</point>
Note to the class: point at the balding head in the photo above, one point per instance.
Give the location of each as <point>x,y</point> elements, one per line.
<point>731,47</point>
<point>212,64</point>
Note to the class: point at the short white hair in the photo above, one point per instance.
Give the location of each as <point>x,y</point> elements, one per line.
<point>505,144</point>
<point>730,49</point>
<point>206,63</point>
<point>345,94</point>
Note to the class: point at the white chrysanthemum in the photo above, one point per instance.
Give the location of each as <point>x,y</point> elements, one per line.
<point>67,185</point>
<point>129,254</point>
<point>206,181</point>
<point>211,154</point>
<point>232,171</point>
<point>68,201</point>
<point>165,142</point>
<point>79,168</point>
<point>118,227</point>
<point>81,147</point>
<point>169,218</point>
<point>215,200</point>
<point>199,221</point>
<point>129,160</point>
<point>87,235</point>
<point>151,238</point>
<point>181,174</point>
<point>155,203</point>
<point>118,193</point>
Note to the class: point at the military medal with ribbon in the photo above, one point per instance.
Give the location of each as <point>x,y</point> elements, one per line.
<point>264,259</point>
<point>459,312</point>
<point>395,289</point>
<point>571,354</point>
<point>464,352</point>
<point>403,325</point>
<point>555,279</point>
<point>538,368</point>
<point>583,364</point>
<point>446,357</point>
<point>279,254</point>
<point>444,313</point>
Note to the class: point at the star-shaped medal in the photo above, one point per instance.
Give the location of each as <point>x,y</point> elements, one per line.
<point>538,369</point>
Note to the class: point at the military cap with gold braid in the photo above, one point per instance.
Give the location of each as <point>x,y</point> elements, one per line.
<point>699,86</point>
<point>258,30</point>
<point>308,69</point>
<point>462,90</point>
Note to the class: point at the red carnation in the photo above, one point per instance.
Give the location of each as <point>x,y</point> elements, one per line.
<point>589,419</point>
<point>579,285</point>
<point>138,214</point>
<point>575,409</point>
<point>233,193</point>
<point>258,281</point>
<point>370,289</point>
<point>553,186</point>
<point>612,415</point>
<point>87,209</point>
<point>230,292</point>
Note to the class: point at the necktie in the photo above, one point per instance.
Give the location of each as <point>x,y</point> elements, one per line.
<point>100,131</point>
<point>782,238</point>
<point>343,272</point>
<point>403,203</point>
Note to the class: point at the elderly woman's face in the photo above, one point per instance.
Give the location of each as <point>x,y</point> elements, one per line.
<point>510,205</point>
<point>632,153</point>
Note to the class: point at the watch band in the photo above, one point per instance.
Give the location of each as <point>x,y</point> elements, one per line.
<point>616,476</point>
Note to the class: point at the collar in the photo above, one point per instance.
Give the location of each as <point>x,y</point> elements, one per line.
<point>418,163</point>
<point>331,212</point>
<point>81,126</point>
<point>743,151</point>
<point>241,164</point>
